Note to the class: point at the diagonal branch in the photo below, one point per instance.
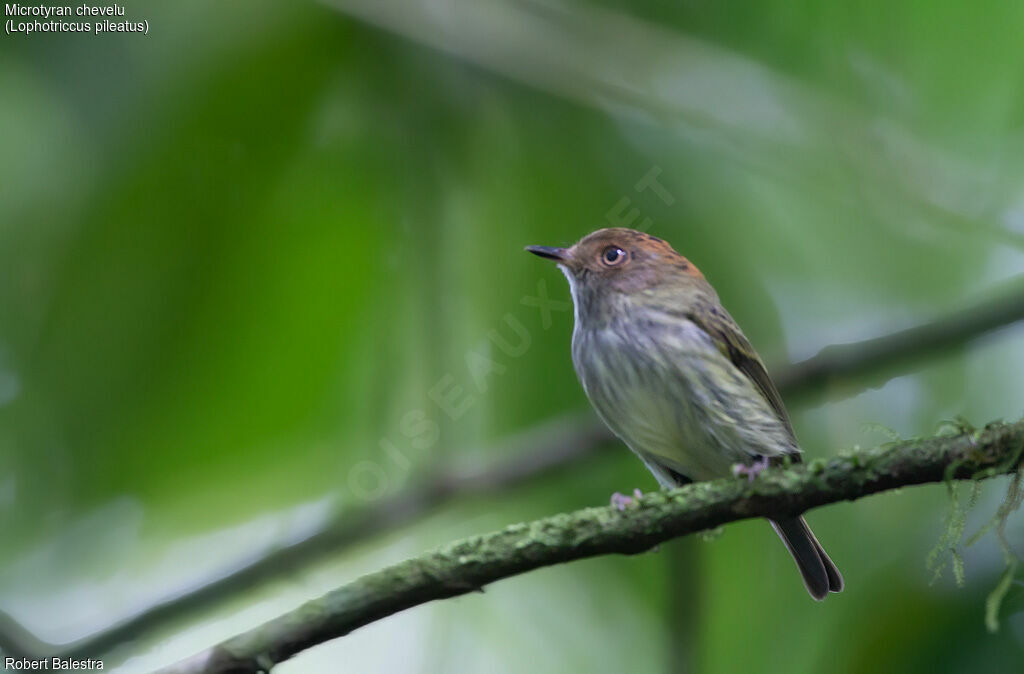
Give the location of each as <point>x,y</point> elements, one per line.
<point>871,362</point>
<point>542,450</point>
<point>470,564</point>
<point>655,74</point>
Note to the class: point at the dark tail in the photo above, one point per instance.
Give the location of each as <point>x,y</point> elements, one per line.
<point>819,573</point>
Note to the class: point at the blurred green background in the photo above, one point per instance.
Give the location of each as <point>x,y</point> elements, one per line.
<point>237,253</point>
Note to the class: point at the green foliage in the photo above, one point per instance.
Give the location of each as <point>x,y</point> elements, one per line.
<point>883,430</point>
<point>947,550</point>
<point>995,598</point>
<point>1012,502</point>
<point>237,254</point>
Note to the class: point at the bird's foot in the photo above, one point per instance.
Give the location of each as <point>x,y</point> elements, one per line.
<point>621,501</point>
<point>752,470</point>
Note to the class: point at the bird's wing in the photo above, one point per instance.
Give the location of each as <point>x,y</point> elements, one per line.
<point>726,335</point>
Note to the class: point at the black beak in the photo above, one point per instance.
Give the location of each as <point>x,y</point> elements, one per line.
<point>557,254</point>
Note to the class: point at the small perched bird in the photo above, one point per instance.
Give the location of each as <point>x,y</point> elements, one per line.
<point>671,374</point>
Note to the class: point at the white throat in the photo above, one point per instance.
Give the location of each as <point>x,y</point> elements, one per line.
<point>574,291</point>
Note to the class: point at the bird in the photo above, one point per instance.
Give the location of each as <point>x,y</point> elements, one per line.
<point>670,372</point>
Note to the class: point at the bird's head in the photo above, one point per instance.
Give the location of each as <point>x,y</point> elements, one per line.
<point>619,259</point>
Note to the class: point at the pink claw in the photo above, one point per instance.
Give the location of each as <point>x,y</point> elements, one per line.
<point>752,470</point>
<point>620,501</point>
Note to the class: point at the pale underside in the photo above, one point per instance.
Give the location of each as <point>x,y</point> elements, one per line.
<point>663,387</point>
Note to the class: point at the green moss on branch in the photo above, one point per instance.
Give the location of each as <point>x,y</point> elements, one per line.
<point>472,563</point>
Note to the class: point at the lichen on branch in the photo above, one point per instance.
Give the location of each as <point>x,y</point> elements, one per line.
<point>470,564</point>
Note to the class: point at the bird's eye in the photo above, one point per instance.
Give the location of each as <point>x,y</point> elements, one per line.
<point>613,256</point>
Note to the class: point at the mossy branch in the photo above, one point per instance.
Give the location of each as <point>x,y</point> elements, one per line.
<point>470,564</point>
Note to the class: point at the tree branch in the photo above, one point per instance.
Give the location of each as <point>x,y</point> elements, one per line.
<point>868,363</point>
<point>541,450</point>
<point>470,564</point>
<point>550,447</point>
